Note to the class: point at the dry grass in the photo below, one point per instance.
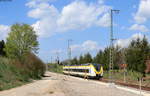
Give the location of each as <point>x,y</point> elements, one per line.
<point>14,72</point>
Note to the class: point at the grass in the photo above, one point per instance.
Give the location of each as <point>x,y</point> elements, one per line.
<point>10,75</point>
<point>13,73</point>
<point>55,68</point>
<point>131,77</point>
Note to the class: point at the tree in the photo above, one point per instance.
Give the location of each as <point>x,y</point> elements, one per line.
<point>87,58</point>
<point>74,61</point>
<point>81,61</point>
<point>117,57</point>
<point>105,58</point>
<point>136,54</point>
<point>21,39</point>
<point>98,58</point>
<point>2,46</point>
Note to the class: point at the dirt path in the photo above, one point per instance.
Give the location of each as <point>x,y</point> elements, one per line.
<point>60,85</point>
<point>46,87</point>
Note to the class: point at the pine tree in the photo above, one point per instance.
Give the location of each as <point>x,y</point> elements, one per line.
<point>81,61</point>
<point>2,46</point>
<point>74,61</point>
<point>87,58</point>
<point>136,54</point>
<point>99,57</point>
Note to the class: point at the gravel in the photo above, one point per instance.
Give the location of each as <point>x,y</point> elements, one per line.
<point>62,85</point>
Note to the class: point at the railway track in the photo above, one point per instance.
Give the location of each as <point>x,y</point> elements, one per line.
<point>120,83</point>
<point>128,85</point>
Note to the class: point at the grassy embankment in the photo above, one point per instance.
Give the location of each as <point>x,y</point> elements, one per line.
<point>14,73</point>
<point>131,77</point>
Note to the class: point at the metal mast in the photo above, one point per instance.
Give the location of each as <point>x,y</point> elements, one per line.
<point>51,59</point>
<point>69,53</point>
<point>69,50</point>
<point>111,45</point>
<point>57,57</point>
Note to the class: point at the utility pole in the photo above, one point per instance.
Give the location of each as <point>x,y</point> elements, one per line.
<point>69,50</point>
<point>57,57</point>
<point>51,59</point>
<point>69,53</point>
<point>111,45</point>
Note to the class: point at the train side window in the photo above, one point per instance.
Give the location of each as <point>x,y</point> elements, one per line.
<point>78,70</point>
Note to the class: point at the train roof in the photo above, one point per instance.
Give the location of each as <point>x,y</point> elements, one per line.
<point>87,64</point>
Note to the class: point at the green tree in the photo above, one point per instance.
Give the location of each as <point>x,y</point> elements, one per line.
<point>136,54</point>
<point>105,58</point>
<point>98,57</point>
<point>87,58</point>
<point>2,46</point>
<point>74,61</point>
<point>21,39</point>
<point>117,57</point>
<point>81,61</point>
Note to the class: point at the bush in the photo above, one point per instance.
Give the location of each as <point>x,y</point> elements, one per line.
<point>55,68</point>
<point>33,66</point>
<point>10,75</point>
<point>14,72</point>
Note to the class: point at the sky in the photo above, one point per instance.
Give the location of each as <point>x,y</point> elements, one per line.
<point>85,22</point>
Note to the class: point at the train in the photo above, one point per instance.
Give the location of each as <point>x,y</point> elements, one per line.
<point>89,70</point>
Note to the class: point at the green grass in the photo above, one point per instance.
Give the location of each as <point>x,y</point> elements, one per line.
<point>131,77</point>
<point>14,73</point>
<point>55,68</point>
<point>10,75</point>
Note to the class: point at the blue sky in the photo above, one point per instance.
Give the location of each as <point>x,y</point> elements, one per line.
<point>86,22</point>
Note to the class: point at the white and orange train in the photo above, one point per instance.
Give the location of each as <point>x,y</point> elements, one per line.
<point>86,70</point>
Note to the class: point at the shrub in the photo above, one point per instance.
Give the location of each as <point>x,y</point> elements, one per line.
<point>10,75</point>
<point>14,72</point>
<point>55,68</point>
<point>33,66</point>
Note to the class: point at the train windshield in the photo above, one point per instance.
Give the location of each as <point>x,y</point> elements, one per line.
<point>97,67</point>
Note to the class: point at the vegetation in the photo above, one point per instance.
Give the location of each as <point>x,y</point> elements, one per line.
<point>2,46</point>
<point>10,75</point>
<point>55,68</point>
<point>18,62</point>
<point>22,39</point>
<point>131,77</point>
<point>134,55</point>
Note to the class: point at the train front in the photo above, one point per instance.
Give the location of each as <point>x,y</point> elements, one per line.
<point>98,69</point>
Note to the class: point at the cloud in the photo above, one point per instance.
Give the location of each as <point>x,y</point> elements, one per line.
<point>4,29</point>
<point>74,16</point>
<point>34,3</point>
<point>47,16</point>
<point>57,51</point>
<point>104,21</point>
<point>125,42</point>
<point>101,1</point>
<point>86,46</point>
<point>138,27</point>
<point>143,13</point>
<point>80,15</point>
